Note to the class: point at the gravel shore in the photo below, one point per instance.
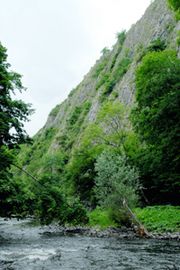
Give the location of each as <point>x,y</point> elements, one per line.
<point>122,233</point>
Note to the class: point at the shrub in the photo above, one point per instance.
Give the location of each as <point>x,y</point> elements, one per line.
<point>121,37</point>
<point>100,217</point>
<point>116,181</point>
<point>175,6</point>
<point>156,120</point>
<point>53,205</point>
<point>156,45</point>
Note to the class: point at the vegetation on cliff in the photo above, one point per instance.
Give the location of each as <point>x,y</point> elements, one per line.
<point>98,150</point>
<point>175,5</point>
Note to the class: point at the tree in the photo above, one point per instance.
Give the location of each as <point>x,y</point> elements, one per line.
<point>156,120</point>
<point>12,112</point>
<point>109,131</point>
<point>112,122</point>
<point>116,182</point>
<point>12,115</point>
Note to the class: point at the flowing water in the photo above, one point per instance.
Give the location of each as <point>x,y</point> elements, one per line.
<point>23,246</point>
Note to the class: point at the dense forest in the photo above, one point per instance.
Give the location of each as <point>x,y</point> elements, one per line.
<point>97,150</point>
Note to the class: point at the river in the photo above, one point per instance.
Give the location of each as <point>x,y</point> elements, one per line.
<point>27,247</point>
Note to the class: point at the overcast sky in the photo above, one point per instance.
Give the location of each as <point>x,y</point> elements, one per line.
<point>54,43</point>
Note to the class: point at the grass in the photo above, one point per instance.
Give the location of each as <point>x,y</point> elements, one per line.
<point>155,218</point>
<point>160,218</point>
<point>100,218</point>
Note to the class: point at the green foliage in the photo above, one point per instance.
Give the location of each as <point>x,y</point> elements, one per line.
<point>105,79</point>
<point>55,111</point>
<point>109,131</point>
<point>50,167</point>
<point>12,115</point>
<point>77,214</point>
<point>73,91</point>
<point>53,163</point>
<point>75,115</point>
<point>175,6</point>
<point>121,37</point>
<point>100,66</point>
<point>109,79</point>
<point>156,120</point>
<point>52,205</point>
<point>101,218</point>
<point>12,112</point>
<point>116,181</point>
<point>178,38</point>
<point>74,125</point>
<point>160,218</point>
<point>121,68</point>
<point>34,156</point>
<point>139,52</point>
<point>80,169</point>
<point>105,50</point>
<point>156,45</point>
<point>113,125</point>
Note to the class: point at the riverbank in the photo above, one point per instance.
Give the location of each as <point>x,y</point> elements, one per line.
<point>158,220</point>
<point>120,233</point>
<point>25,245</point>
<point>161,222</point>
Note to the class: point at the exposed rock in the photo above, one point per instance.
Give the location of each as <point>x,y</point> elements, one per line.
<point>157,22</point>
<point>121,233</point>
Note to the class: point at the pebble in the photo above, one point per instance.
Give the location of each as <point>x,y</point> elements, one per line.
<point>123,233</point>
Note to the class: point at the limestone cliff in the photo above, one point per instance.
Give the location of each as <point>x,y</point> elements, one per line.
<point>112,77</point>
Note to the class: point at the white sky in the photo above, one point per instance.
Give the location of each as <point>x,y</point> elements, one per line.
<point>53,43</point>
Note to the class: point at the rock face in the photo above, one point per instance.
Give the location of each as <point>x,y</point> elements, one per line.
<point>157,22</point>
<point>118,66</point>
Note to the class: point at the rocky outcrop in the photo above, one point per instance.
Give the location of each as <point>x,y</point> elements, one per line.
<point>157,22</point>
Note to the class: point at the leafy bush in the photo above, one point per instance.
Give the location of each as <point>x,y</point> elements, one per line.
<point>76,213</point>
<point>116,182</point>
<point>53,205</point>
<point>156,45</point>
<point>108,80</point>
<point>105,78</point>
<point>13,114</point>
<point>175,6</point>
<point>100,66</point>
<point>100,217</point>
<point>121,37</point>
<point>80,173</point>
<point>75,115</point>
<point>121,68</point>
<point>156,120</point>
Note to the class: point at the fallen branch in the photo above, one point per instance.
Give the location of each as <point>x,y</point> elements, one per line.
<point>140,230</point>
